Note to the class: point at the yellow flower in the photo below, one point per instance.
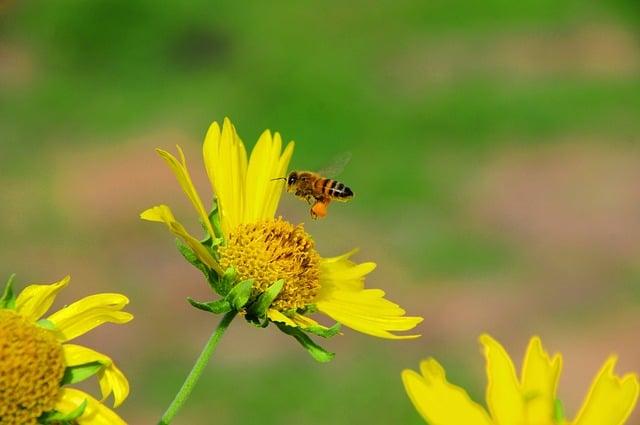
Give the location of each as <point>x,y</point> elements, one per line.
<point>246,239</point>
<point>37,361</point>
<point>530,400</point>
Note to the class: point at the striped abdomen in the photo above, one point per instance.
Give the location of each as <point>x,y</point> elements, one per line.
<point>336,190</point>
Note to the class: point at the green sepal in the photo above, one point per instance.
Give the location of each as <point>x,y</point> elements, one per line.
<point>46,324</point>
<point>240,294</point>
<point>214,218</point>
<point>227,281</point>
<point>63,418</point>
<point>558,411</point>
<point>318,353</point>
<point>191,257</point>
<point>79,373</point>
<point>257,312</point>
<point>8,299</point>
<point>215,307</point>
<point>322,331</point>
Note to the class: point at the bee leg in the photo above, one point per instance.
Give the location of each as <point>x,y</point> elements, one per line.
<point>319,209</point>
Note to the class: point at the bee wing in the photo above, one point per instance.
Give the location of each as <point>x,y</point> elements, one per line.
<point>336,165</point>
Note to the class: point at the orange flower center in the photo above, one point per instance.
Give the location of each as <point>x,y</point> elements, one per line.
<point>31,367</point>
<point>271,250</point>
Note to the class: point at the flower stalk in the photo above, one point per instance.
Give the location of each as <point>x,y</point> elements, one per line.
<point>192,379</point>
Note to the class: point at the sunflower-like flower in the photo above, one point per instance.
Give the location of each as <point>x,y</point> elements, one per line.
<point>37,362</point>
<point>530,400</point>
<point>262,265</point>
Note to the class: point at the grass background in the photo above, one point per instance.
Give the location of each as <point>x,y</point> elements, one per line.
<point>495,165</point>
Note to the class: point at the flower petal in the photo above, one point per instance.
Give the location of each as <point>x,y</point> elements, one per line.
<point>504,397</point>
<point>95,413</point>
<point>276,316</point>
<point>343,298</point>
<point>225,159</point>
<point>540,375</point>
<point>110,377</point>
<point>88,313</point>
<point>438,401</point>
<point>34,300</point>
<point>611,399</point>
<point>181,172</point>
<point>163,214</point>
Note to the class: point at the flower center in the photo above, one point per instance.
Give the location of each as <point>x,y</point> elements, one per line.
<point>31,367</point>
<point>275,249</point>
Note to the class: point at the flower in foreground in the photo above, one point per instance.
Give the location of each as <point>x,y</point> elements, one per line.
<point>530,400</point>
<point>265,267</point>
<point>37,362</point>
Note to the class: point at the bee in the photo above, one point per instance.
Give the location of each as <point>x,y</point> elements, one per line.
<point>317,189</point>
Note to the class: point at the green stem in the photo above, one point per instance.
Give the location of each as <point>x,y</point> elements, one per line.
<point>197,369</point>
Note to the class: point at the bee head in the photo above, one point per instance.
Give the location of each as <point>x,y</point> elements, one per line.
<point>292,180</point>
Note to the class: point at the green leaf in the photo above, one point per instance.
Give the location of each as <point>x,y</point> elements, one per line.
<point>59,417</point>
<point>8,299</point>
<point>322,331</point>
<point>318,353</point>
<point>257,312</point>
<point>239,295</point>
<point>215,307</point>
<point>75,374</point>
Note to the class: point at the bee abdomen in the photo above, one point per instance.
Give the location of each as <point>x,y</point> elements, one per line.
<point>339,190</point>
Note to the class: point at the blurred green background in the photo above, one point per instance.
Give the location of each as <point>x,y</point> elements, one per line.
<point>495,166</point>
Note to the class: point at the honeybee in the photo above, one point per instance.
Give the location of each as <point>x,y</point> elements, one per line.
<point>317,189</point>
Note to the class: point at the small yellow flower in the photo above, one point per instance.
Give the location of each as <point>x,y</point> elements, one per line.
<point>37,361</point>
<point>530,400</point>
<point>247,240</point>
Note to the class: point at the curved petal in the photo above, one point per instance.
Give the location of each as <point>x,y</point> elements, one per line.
<point>163,214</point>
<point>110,377</point>
<point>95,413</point>
<point>276,316</point>
<point>181,172</point>
<point>276,189</point>
<point>225,160</point>
<point>504,397</point>
<point>34,300</point>
<point>611,399</point>
<point>88,313</point>
<point>438,401</point>
<point>540,376</point>
<point>343,298</point>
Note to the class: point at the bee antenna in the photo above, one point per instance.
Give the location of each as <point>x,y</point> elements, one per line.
<point>279,178</point>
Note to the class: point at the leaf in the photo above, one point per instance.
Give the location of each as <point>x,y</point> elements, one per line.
<point>323,331</point>
<point>227,281</point>
<point>215,307</point>
<point>59,417</point>
<point>257,312</point>
<point>318,353</point>
<point>8,299</point>
<point>214,218</point>
<point>239,295</point>
<point>75,374</point>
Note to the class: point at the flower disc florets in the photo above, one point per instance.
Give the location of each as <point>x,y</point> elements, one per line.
<point>275,249</point>
<point>31,367</point>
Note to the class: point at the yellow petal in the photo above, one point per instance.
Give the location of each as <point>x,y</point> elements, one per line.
<point>504,397</point>
<point>438,401</point>
<point>163,214</point>
<point>611,399</point>
<point>540,375</point>
<point>95,413</point>
<point>34,300</point>
<point>179,168</point>
<point>273,199</point>
<point>110,377</point>
<point>261,169</point>
<point>276,316</point>
<point>368,312</point>
<point>225,159</point>
<point>88,313</point>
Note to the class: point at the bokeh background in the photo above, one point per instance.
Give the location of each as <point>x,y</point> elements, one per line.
<point>495,164</point>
